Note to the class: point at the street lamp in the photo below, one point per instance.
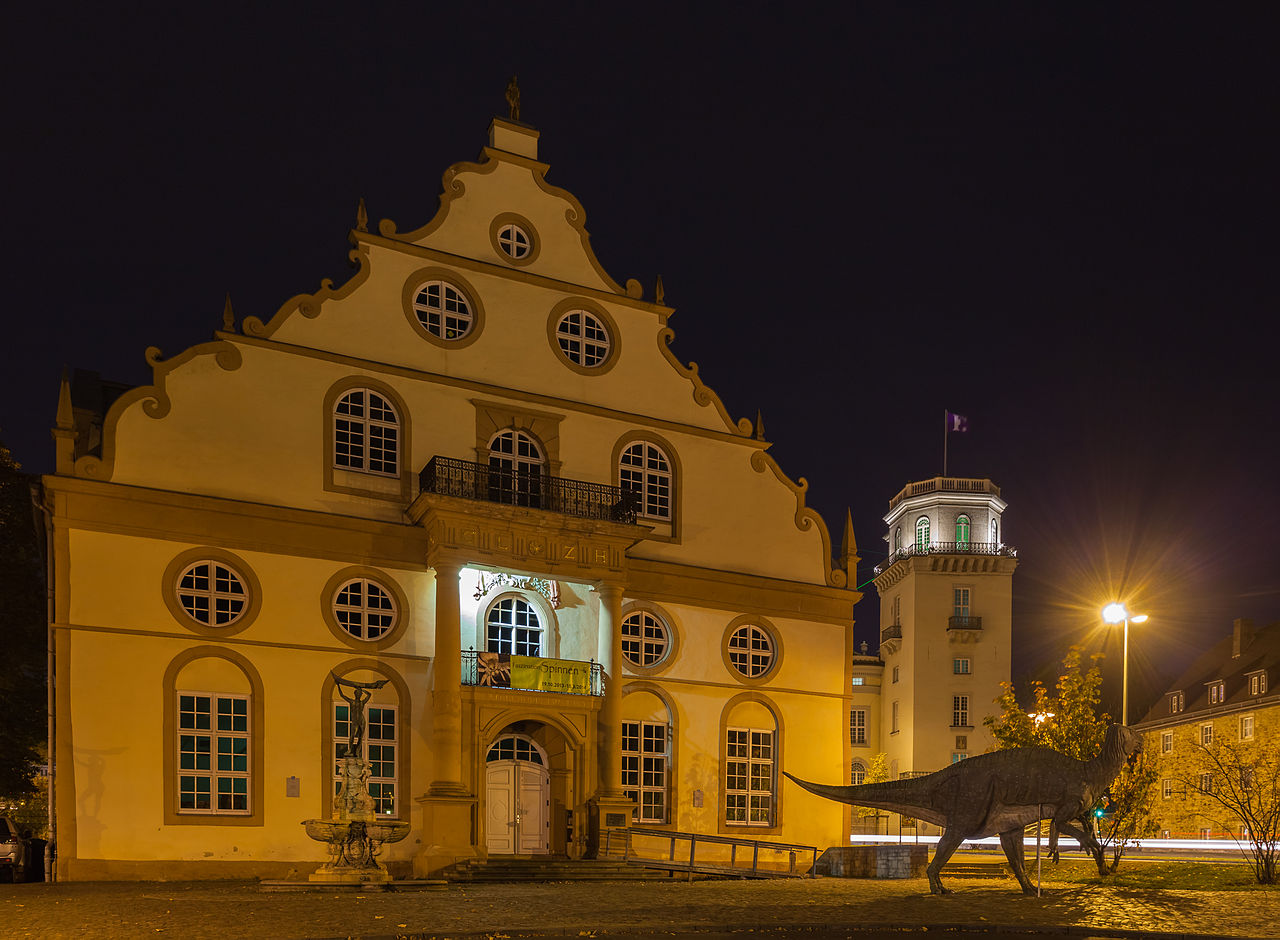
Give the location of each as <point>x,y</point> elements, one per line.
<point>1115,613</point>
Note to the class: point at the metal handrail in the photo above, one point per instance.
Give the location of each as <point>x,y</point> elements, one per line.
<point>448,476</point>
<point>892,632</point>
<point>471,676</point>
<point>671,863</point>
<point>964,623</point>
<point>949,548</point>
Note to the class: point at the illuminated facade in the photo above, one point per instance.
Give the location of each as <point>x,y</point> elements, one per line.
<point>1228,696</point>
<point>946,616</point>
<point>475,471</point>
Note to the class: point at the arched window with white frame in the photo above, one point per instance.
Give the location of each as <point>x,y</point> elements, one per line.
<point>922,534</point>
<point>366,433</point>
<point>512,626</point>
<point>962,530</point>
<point>515,469</point>
<point>645,471</point>
<point>995,533</point>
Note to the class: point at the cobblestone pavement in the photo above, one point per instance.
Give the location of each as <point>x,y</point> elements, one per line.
<point>834,907</point>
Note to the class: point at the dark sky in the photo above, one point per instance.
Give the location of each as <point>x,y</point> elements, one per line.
<point>1055,219</point>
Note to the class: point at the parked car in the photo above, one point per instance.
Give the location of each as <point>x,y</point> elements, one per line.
<point>14,849</point>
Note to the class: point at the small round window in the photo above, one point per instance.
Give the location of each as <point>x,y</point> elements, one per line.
<point>751,650</point>
<point>364,609</point>
<point>212,593</point>
<point>644,639</point>
<point>514,241</point>
<point>443,310</point>
<point>583,338</point>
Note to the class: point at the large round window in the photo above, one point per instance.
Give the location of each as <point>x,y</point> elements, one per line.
<point>645,639</point>
<point>751,650</point>
<point>212,593</point>
<point>443,310</point>
<point>583,338</point>
<point>364,609</point>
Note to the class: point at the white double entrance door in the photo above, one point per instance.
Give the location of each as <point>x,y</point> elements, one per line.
<point>518,808</point>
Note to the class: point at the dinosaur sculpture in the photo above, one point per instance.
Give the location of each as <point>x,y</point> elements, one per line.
<point>998,793</point>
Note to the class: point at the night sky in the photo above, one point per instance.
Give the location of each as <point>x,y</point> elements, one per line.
<point>1056,219</point>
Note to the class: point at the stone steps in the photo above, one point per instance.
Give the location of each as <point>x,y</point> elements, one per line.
<point>976,870</point>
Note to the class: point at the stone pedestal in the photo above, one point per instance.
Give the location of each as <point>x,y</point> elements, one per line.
<point>355,833</point>
<point>610,820</point>
<point>873,861</point>
<point>448,820</point>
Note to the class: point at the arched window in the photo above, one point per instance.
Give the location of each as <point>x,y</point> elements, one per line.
<point>962,530</point>
<point>512,626</point>
<point>645,470</point>
<point>995,534</point>
<point>366,433</point>
<point>897,540</point>
<point>857,772</point>
<point>515,469</point>
<point>515,747</point>
<point>922,533</point>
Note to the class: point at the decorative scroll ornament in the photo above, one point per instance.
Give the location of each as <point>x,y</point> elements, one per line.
<point>496,579</point>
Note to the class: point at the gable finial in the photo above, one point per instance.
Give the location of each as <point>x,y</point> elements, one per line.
<point>759,425</point>
<point>660,293</point>
<point>362,216</point>
<point>513,99</point>
<point>228,316</point>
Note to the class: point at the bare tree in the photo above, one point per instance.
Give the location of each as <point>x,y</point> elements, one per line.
<point>1242,781</point>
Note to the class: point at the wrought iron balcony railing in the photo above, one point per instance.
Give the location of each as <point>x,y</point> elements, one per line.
<point>964,623</point>
<point>949,548</point>
<point>447,476</point>
<point>531,673</point>
<point>891,632</point>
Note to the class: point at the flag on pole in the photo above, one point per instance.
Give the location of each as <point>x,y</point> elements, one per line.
<point>957,422</point>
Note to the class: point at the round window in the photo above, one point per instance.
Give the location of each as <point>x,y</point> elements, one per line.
<point>751,650</point>
<point>514,241</point>
<point>212,593</point>
<point>364,609</point>
<point>583,338</point>
<point>644,639</point>
<point>443,310</point>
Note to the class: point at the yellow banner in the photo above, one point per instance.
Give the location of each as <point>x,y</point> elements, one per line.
<point>551,675</point>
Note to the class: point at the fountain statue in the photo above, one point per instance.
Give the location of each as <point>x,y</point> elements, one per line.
<point>354,834</point>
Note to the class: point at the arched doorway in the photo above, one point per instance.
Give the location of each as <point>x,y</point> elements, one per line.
<point>517,797</point>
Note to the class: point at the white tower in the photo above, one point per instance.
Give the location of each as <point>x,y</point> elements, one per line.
<point>946,611</point>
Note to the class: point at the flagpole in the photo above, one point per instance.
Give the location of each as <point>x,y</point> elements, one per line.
<point>945,428</point>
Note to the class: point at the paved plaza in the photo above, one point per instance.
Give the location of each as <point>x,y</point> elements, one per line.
<point>826,907</point>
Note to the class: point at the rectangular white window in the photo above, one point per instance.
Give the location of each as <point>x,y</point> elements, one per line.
<point>1206,735</point>
<point>1246,727</point>
<point>957,758</point>
<point>1175,702</point>
<point>858,726</point>
<point>213,753</point>
<point>962,742</point>
<point>893,727</point>
<point>961,667</point>
<point>1258,684</point>
<point>1206,786</point>
<point>1166,788</point>
<point>897,609</point>
<point>895,673</point>
<point>644,769</point>
<point>961,605</point>
<point>857,680</point>
<point>1217,693</point>
<point>960,711</point>
<point>380,746</point>
<point>1166,742</point>
<point>748,777</point>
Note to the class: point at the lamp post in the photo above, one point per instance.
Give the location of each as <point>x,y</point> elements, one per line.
<point>1115,613</point>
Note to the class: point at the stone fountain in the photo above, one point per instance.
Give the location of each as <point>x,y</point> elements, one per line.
<point>355,834</point>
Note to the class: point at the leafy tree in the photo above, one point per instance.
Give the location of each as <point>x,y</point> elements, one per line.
<point>1243,780</point>
<point>22,635</point>
<point>1069,720</point>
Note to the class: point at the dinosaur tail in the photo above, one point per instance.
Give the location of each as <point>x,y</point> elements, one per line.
<point>900,796</point>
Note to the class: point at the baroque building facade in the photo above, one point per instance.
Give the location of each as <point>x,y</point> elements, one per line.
<point>1228,696</point>
<point>476,474</point>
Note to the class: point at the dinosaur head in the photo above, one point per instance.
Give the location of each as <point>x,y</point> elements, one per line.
<point>1127,741</point>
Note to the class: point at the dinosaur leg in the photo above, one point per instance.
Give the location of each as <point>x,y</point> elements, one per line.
<point>1011,842</point>
<point>947,845</point>
<point>1053,842</point>
<point>1082,831</point>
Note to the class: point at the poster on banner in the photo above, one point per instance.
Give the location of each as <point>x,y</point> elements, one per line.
<point>551,675</point>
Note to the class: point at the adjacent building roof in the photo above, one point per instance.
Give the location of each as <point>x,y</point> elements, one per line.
<point>1231,665</point>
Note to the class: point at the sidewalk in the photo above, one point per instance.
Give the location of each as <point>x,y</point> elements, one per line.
<point>835,906</point>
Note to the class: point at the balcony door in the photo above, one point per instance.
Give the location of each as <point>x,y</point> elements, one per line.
<point>517,798</point>
<point>515,469</point>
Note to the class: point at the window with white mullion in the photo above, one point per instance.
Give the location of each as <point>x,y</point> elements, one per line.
<point>644,769</point>
<point>749,778</point>
<point>513,627</point>
<point>380,746</point>
<point>644,638</point>
<point>645,471</point>
<point>858,726</point>
<point>583,338</point>
<point>213,753</point>
<point>960,711</point>
<point>366,433</point>
<point>443,310</point>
